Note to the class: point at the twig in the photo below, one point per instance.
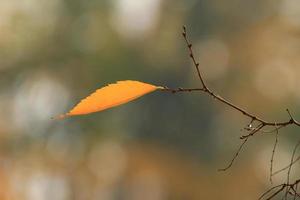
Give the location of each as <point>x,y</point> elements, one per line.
<point>206,90</point>
<point>283,186</point>
<point>272,130</point>
<point>196,64</point>
<point>272,188</point>
<point>254,130</point>
<point>181,89</point>
<point>291,189</point>
<point>295,192</point>
<point>262,123</point>
<point>285,168</point>
<point>272,156</point>
<point>235,155</point>
<point>292,160</point>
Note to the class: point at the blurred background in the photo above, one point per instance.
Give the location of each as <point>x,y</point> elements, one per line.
<point>162,146</point>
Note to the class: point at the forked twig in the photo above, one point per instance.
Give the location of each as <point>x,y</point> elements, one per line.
<point>291,189</point>
<point>282,186</point>
<point>262,123</point>
<point>290,166</point>
<point>287,167</point>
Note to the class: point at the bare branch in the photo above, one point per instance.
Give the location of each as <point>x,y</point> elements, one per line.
<point>254,130</point>
<point>296,194</point>
<point>235,155</point>
<point>287,167</point>
<point>273,126</point>
<point>292,160</point>
<point>196,64</point>
<point>272,156</point>
<point>181,89</point>
<point>271,189</point>
<point>262,123</point>
<point>206,90</point>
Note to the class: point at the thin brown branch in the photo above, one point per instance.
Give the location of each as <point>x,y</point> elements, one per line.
<point>253,117</point>
<point>271,189</point>
<point>245,138</point>
<point>272,156</point>
<point>276,193</point>
<point>254,130</point>
<point>262,123</point>
<point>241,110</point>
<point>292,160</point>
<point>206,90</point>
<point>235,155</point>
<point>181,89</point>
<point>287,192</point>
<point>272,130</point>
<point>290,189</point>
<point>296,194</point>
<point>196,64</point>
<point>287,167</point>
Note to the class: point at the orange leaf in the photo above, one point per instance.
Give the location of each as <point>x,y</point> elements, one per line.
<point>111,96</point>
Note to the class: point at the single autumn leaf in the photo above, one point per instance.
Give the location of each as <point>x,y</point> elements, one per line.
<point>111,96</point>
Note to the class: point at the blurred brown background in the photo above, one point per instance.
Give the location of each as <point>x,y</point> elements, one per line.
<point>162,146</point>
